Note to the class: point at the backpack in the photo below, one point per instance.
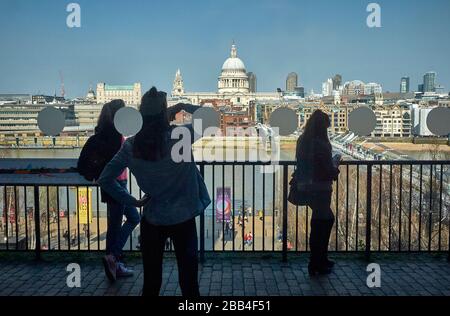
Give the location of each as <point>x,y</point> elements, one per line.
<point>94,156</point>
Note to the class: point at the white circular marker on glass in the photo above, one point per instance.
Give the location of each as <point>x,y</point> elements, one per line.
<point>51,121</point>
<point>128,121</point>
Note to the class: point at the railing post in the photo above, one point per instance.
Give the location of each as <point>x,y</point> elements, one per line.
<point>37,223</point>
<point>202,224</point>
<point>448,245</point>
<point>369,212</point>
<point>285,208</point>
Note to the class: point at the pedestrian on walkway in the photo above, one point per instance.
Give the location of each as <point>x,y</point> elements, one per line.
<point>176,187</point>
<point>102,147</point>
<point>315,172</point>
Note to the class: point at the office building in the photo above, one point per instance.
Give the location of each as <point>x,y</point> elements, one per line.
<point>392,121</point>
<point>252,81</point>
<point>291,82</point>
<point>404,85</point>
<point>327,87</point>
<point>15,98</point>
<point>130,94</point>
<point>372,88</point>
<point>300,91</point>
<point>337,82</point>
<point>21,119</point>
<point>355,87</point>
<point>429,82</point>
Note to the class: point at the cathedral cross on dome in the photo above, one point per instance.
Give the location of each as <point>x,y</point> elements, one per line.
<point>233,51</point>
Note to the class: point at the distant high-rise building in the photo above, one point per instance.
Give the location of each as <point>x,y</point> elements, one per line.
<point>404,85</point>
<point>327,87</point>
<point>300,91</point>
<point>291,82</point>
<point>337,81</point>
<point>252,82</point>
<point>439,89</point>
<point>372,88</point>
<point>420,87</point>
<point>429,82</point>
<point>355,87</point>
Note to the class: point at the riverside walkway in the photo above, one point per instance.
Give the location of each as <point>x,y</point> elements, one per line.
<point>228,275</point>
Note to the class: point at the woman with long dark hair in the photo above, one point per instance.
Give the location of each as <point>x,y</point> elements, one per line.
<point>316,171</point>
<point>176,189</point>
<point>117,232</point>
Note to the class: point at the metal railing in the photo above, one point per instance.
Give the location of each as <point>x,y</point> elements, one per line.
<point>380,206</point>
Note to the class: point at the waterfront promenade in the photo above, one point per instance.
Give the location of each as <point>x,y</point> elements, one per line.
<point>237,275</point>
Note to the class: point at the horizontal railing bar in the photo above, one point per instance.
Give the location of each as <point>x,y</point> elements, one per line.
<point>237,251</point>
<point>343,162</point>
<point>51,184</point>
<point>62,164</point>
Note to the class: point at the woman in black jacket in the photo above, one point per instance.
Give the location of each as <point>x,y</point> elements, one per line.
<point>118,232</point>
<point>316,170</point>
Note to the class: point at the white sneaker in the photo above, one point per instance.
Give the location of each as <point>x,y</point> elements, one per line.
<point>123,271</point>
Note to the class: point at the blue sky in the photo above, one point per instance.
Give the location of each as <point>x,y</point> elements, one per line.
<point>121,42</point>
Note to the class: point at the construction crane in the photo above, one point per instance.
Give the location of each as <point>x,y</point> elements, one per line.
<point>63,92</point>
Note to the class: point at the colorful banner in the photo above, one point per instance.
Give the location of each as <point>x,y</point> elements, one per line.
<point>84,205</point>
<point>223,205</point>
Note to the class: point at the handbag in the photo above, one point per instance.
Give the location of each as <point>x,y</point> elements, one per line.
<point>298,193</point>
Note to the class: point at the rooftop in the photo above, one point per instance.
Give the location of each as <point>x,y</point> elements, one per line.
<point>118,87</point>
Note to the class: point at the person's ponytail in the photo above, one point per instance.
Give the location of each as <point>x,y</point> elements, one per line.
<point>151,141</point>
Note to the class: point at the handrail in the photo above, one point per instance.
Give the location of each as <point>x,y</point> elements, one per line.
<point>62,173</point>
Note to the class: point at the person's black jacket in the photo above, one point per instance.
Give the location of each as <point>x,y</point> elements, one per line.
<point>113,141</point>
<point>315,168</point>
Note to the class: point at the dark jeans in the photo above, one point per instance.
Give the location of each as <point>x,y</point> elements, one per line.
<point>322,220</point>
<point>117,234</point>
<point>184,238</point>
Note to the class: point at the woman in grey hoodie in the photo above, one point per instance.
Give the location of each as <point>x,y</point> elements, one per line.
<point>175,194</point>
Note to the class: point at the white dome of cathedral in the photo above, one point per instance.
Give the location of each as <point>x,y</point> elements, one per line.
<point>233,88</point>
<point>233,78</point>
<point>233,63</point>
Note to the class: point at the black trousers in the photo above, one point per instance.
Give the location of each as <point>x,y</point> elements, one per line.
<point>184,238</point>
<point>322,221</point>
<point>320,203</point>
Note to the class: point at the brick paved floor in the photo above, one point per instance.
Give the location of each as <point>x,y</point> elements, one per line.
<point>406,274</point>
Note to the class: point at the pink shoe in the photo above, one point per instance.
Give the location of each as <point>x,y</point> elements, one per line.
<point>109,262</point>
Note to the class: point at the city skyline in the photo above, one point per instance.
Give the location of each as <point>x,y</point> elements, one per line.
<point>315,38</point>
